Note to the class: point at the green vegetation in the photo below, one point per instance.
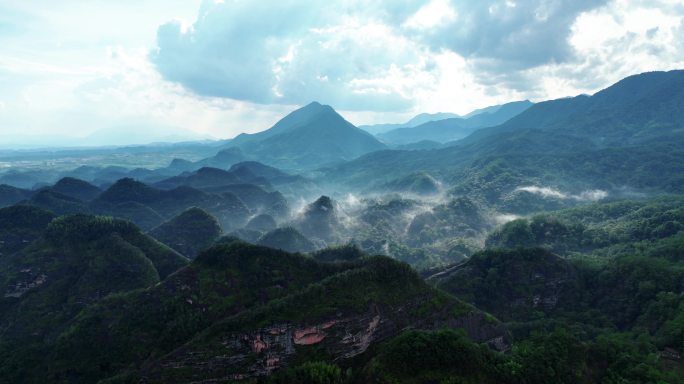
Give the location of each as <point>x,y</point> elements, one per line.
<point>421,234</point>
<point>230,288</point>
<point>20,225</point>
<point>78,189</point>
<point>349,252</point>
<point>79,230</point>
<point>126,190</point>
<point>143,216</point>
<point>511,284</point>
<point>618,312</point>
<point>442,356</point>
<point>10,195</point>
<point>76,262</point>
<point>57,203</point>
<point>287,239</point>
<point>326,136</point>
<point>315,372</point>
<point>420,183</point>
<point>221,282</point>
<point>651,228</point>
<point>575,292</point>
<point>376,286</point>
<point>122,198</point>
<point>189,233</point>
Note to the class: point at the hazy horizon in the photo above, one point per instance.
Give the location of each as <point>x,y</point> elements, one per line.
<point>213,69</point>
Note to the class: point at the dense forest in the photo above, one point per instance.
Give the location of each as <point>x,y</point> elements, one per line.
<point>545,244</point>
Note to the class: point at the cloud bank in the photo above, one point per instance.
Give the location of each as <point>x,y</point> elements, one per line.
<point>391,55</point>
<point>222,67</point>
<point>547,192</point>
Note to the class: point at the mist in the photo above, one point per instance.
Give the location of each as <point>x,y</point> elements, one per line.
<point>551,193</point>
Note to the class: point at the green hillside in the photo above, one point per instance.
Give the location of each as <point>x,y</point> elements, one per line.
<point>189,233</point>
<point>77,261</point>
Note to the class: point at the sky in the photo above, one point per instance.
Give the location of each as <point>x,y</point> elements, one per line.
<point>126,71</point>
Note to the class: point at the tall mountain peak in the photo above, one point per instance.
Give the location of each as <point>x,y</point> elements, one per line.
<point>309,137</point>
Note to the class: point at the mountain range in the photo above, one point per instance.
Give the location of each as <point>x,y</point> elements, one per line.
<point>450,129</point>
<point>626,136</point>
<point>546,246</point>
<point>415,121</point>
<point>423,118</point>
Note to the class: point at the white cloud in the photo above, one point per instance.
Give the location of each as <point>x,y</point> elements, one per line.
<point>504,218</point>
<point>128,91</point>
<point>434,14</point>
<point>233,66</point>
<point>547,192</point>
<point>249,51</point>
<point>622,38</point>
<point>408,56</point>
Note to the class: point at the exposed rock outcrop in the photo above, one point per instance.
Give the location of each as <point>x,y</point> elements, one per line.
<point>259,352</point>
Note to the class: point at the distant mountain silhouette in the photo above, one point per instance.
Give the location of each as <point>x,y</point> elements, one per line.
<point>120,199</point>
<point>377,129</point>
<point>57,203</point>
<point>629,134</point>
<point>208,177</point>
<point>309,137</point>
<point>635,110</point>
<point>76,188</point>
<point>450,129</point>
<point>428,117</point>
<point>11,195</point>
<point>128,189</point>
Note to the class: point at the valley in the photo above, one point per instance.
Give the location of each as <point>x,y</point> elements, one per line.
<point>522,243</point>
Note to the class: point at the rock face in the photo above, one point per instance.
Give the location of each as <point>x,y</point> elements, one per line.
<point>25,282</point>
<point>340,319</point>
<point>236,312</point>
<point>259,352</point>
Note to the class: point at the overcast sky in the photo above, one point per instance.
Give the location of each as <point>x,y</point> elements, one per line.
<point>218,68</point>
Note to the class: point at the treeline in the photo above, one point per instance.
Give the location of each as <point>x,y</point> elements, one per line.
<point>651,228</point>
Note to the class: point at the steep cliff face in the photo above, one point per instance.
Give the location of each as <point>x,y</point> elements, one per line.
<point>340,320</point>
<point>125,330</point>
<point>262,351</point>
<point>239,311</point>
